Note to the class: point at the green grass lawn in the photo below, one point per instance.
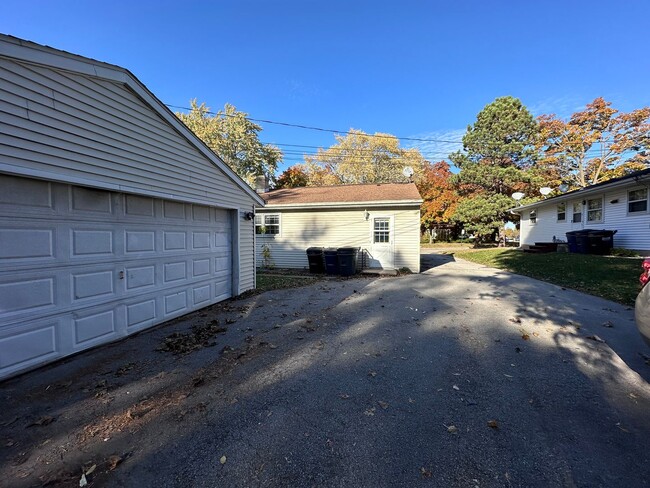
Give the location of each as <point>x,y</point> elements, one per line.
<point>272,281</point>
<point>614,278</point>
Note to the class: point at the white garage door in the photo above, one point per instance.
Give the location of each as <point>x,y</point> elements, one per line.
<point>80,267</point>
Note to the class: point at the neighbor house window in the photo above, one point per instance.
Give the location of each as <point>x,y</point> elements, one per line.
<point>595,210</point>
<point>533,216</point>
<point>637,200</point>
<point>381,231</point>
<point>577,212</point>
<point>561,212</point>
<point>267,224</point>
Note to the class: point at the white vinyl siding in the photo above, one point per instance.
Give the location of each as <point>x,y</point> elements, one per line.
<point>74,128</point>
<point>339,228</point>
<point>633,230</point>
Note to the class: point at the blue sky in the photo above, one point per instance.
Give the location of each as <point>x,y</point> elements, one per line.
<point>420,69</point>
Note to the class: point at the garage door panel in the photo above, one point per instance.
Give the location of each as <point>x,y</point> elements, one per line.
<point>200,267</point>
<point>200,213</point>
<point>93,285</point>
<point>94,327</point>
<point>80,267</point>
<point>89,200</point>
<point>175,271</point>
<point>174,210</point>
<point>89,242</point>
<point>28,345</point>
<point>139,206</point>
<point>139,241</point>
<point>200,240</point>
<point>141,314</point>
<point>24,295</point>
<point>139,277</point>
<point>175,241</point>
<point>175,303</point>
<point>21,244</point>
<point>25,192</point>
<point>201,295</point>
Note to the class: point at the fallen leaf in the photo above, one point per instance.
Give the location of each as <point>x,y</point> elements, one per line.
<point>114,461</point>
<point>455,387</point>
<point>90,470</point>
<point>493,424</point>
<point>594,338</point>
<point>425,473</point>
<point>222,460</point>
<point>344,396</point>
<point>45,420</point>
<point>451,429</point>
<point>372,373</point>
<point>370,411</point>
<point>516,320</point>
<point>83,481</point>
<point>383,405</point>
<point>608,324</point>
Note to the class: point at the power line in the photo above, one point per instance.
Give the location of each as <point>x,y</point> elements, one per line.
<point>321,129</point>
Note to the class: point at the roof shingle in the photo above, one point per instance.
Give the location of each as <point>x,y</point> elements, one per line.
<point>388,192</point>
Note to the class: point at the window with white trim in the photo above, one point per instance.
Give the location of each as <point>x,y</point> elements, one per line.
<point>595,210</point>
<point>637,200</point>
<point>576,212</point>
<point>561,212</point>
<point>267,224</point>
<point>532,216</point>
<point>381,230</point>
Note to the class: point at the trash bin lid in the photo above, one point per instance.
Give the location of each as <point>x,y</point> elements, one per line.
<point>348,249</point>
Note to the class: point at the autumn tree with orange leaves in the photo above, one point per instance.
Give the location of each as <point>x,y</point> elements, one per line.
<point>440,197</point>
<point>594,145</point>
<point>292,177</point>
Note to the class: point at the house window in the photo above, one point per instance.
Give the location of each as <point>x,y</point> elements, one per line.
<point>577,213</point>
<point>561,212</point>
<point>381,231</point>
<point>595,210</point>
<point>533,216</point>
<point>267,224</point>
<point>637,201</point>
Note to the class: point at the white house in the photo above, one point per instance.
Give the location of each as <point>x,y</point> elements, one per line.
<point>620,204</point>
<point>383,220</point>
<point>113,216</point>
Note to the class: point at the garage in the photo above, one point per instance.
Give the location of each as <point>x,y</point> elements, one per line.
<point>114,216</point>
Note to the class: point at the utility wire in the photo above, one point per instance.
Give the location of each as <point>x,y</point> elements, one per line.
<point>321,129</point>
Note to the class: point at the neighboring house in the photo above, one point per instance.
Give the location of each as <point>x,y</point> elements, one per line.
<point>114,216</point>
<point>381,219</point>
<point>620,204</point>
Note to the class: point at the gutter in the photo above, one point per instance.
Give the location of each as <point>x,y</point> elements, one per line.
<point>391,203</point>
<point>577,194</point>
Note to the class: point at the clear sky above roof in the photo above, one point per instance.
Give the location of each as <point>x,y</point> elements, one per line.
<point>410,68</point>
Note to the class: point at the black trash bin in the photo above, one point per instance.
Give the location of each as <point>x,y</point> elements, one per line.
<point>572,241</point>
<point>315,258</point>
<point>347,257</point>
<point>331,261</point>
<point>601,241</point>
<point>582,241</point>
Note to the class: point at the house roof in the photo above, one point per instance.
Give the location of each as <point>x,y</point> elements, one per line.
<point>344,195</point>
<point>587,190</point>
<point>16,48</point>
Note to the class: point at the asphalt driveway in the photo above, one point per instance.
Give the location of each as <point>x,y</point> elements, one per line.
<point>459,376</point>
